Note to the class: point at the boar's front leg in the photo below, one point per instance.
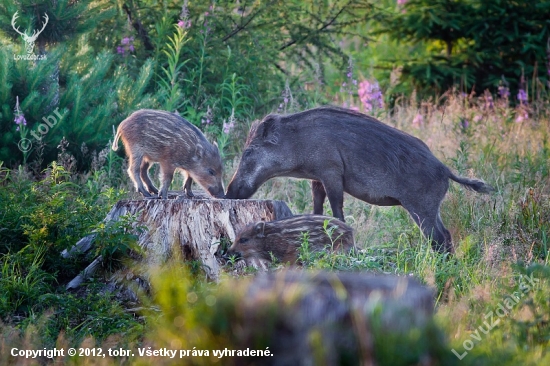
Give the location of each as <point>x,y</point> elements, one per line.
<point>187,186</point>
<point>319,196</point>
<point>145,178</point>
<point>334,188</point>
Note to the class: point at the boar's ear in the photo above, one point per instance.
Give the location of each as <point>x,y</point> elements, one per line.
<point>199,150</point>
<point>268,129</point>
<point>259,229</point>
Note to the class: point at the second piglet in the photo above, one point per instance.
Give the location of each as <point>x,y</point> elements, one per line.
<point>282,238</point>
<point>152,136</point>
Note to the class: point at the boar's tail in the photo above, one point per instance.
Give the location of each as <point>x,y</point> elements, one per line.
<point>472,184</point>
<point>115,143</point>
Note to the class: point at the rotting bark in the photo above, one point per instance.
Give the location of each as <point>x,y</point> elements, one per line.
<point>190,228</point>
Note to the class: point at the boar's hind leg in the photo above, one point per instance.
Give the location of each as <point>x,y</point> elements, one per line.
<point>134,173</point>
<point>145,178</point>
<point>166,175</point>
<point>431,225</point>
<point>334,189</point>
<point>319,196</point>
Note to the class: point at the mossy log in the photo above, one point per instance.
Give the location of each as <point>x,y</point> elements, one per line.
<point>307,316</point>
<point>192,228</point>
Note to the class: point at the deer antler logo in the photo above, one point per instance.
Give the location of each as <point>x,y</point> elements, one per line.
<point>29,40</point>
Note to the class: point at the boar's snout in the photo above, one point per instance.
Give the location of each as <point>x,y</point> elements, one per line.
<point>216,191</point>
<point>237,191</point>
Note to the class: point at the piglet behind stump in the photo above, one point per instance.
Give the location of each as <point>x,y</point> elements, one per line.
<point>152,136</point>
<point>282,238</point>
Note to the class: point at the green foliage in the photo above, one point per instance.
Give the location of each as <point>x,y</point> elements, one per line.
<point>171,92</point>
<point>115,241</point>
<point>474,44</point>
<point>67,19</point>
<point>93,94</point>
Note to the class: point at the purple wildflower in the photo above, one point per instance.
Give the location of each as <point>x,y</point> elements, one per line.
<point>503,91</point>
<point>370,95</point>
<point>489,104</point>
<point>228,126</point>
<point>19,117</point>
<point>464,123</point>
<point>418,120</point>
<point>522,96</point>
<point>207,117</point>
<point>401,2</point>
<point>185,24</point>
<point>522,115</point>
<point>126,44</point>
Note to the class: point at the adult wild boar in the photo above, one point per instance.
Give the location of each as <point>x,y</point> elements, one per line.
<point>152,136</point>
<point>346,151</point>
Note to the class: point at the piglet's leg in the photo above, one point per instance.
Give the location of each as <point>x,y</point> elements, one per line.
<point>187,186</point>
<point>134,173</point>
<point>166,175</point>
<point>145,178</point>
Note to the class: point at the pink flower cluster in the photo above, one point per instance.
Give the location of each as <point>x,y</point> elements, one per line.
<point>370,95</point>
<point>227,127</point>
<point>19,117</point>
<point>185,24</point>
<point>418,120</point>
<point>126,45</point>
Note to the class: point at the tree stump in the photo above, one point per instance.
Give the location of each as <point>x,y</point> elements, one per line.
<point>192,227</point>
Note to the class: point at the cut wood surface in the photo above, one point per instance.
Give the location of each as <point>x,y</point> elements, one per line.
<point>193,228</point>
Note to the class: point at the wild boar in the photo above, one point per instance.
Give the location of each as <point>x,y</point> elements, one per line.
<point>283,237</point>
<point>152,136</point>
<point>346,151</point>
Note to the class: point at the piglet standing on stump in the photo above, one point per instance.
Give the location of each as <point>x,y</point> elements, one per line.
<point>283,237</point>
<point>152,136</point>
<point>341,150</point>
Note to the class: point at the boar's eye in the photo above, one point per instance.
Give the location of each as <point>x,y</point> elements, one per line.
<point>211,171</point>
<point>243,240</point>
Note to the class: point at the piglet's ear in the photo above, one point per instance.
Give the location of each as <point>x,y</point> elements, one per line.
<point>259,229</point>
